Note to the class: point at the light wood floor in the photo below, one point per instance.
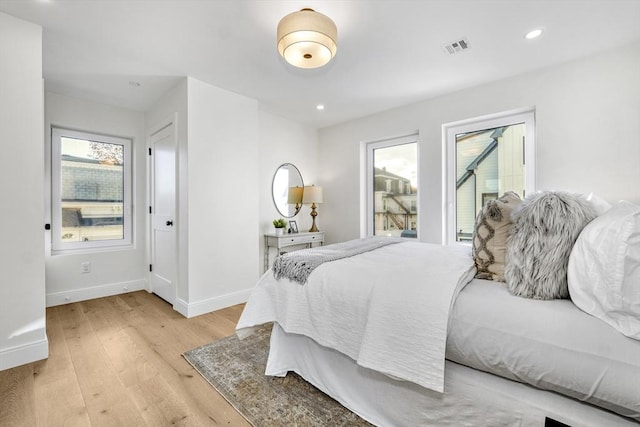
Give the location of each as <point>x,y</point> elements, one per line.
<point>117,361</point>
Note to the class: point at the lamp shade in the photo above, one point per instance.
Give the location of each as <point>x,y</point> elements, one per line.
<point>307,39</point>
<point>295,195</point>
<point>312,194</point>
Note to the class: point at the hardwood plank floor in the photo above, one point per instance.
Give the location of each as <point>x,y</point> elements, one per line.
<point>117,361</point>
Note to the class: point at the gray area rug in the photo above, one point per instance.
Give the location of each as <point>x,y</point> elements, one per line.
<point>235,369</point>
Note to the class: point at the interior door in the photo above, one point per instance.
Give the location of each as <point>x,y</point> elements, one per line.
<point>163,207</point>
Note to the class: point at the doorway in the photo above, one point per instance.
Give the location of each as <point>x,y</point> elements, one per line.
<point>484,158</point>
<point>162,209</point>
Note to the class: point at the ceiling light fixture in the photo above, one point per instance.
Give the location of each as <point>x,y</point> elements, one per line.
<point>319,107</point>
<point>307,39</point>
<point>533,34</point>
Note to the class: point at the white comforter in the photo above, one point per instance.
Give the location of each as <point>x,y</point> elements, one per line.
<point>387,309</point>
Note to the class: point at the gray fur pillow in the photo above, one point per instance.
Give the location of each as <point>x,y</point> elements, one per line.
<point>547,225</point>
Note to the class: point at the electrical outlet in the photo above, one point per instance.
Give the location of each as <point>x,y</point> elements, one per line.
<point>85,267</point>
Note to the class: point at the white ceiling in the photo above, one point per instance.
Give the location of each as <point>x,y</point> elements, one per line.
<point>390,52</point>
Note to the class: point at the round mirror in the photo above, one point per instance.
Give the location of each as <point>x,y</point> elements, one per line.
<point>287,190</point>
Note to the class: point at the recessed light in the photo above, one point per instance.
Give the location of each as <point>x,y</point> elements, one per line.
<point>319,107</point>
<point>533,34</point>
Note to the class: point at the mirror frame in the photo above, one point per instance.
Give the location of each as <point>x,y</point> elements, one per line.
<point>273,195</point>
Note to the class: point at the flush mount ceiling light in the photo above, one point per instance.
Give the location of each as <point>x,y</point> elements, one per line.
<point>307,39</point>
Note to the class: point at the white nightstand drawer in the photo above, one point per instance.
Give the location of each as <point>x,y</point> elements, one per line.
<point>296,240</point>
<point>279,242</point>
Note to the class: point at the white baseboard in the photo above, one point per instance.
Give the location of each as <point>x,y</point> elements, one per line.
<point>212,304</point>
<point>75,295</point>
<point>182,307</point>
<point>23,354</point>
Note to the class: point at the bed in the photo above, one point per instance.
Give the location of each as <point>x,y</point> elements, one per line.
<point>509,360</point>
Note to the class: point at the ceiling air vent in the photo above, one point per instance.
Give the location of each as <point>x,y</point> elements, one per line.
<point>457,46</point>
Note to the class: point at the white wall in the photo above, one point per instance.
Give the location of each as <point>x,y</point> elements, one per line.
<point>218,199</point>
<point>285,141</point>
<point>587,131</point>
<point>112,271</point>
<point>22,285</point>
<point>223,196</point>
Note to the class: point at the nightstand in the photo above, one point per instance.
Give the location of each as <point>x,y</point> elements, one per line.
<point>286,240</point>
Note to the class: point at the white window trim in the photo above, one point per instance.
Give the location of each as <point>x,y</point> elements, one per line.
<point>57,244</point>
<point>449,132</point>
<point>366,178</point>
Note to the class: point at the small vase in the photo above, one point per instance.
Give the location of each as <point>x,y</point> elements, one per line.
<point>279,231</point>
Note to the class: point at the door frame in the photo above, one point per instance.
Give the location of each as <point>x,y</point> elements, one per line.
<point>367,178</point>
<point>167,121</point>
<point>450,130</point>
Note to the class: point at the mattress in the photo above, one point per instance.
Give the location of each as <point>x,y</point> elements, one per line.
<point>471,398</point>
<point>551,345</point>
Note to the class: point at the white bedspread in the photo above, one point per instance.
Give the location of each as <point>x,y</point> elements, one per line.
<point>552,345</point>
<point>387,309</point>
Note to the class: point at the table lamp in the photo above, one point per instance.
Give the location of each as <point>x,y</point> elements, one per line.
<point>313,195</point>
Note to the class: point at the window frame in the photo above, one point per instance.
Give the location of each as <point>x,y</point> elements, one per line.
<point>367,201</point>
<point>449,132</point>
<point>57,244</point>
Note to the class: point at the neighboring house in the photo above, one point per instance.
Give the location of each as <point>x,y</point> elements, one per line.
<point>395,204</point>
<point>488,163</point>
<point>92,199</point>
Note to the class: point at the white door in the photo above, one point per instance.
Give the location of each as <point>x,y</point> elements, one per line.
<point>163,226</point>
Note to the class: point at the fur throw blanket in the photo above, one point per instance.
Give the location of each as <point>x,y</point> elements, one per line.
<point>547,225</point>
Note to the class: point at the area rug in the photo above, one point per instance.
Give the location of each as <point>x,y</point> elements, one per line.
<point>235,368</point>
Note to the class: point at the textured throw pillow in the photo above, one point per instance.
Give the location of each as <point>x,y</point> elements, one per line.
<point>493,226</point>
<point>546,226</point>
<point>604,269</point>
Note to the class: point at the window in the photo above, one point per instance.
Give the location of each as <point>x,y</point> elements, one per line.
<point>391,190</point>
<point>91,190</point>
<point>485,158</point>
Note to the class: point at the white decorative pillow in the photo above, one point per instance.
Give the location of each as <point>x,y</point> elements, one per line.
<point>599,204</point>
<point>604,269</point>
<point>547,225</point>
<point>492,228</point>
